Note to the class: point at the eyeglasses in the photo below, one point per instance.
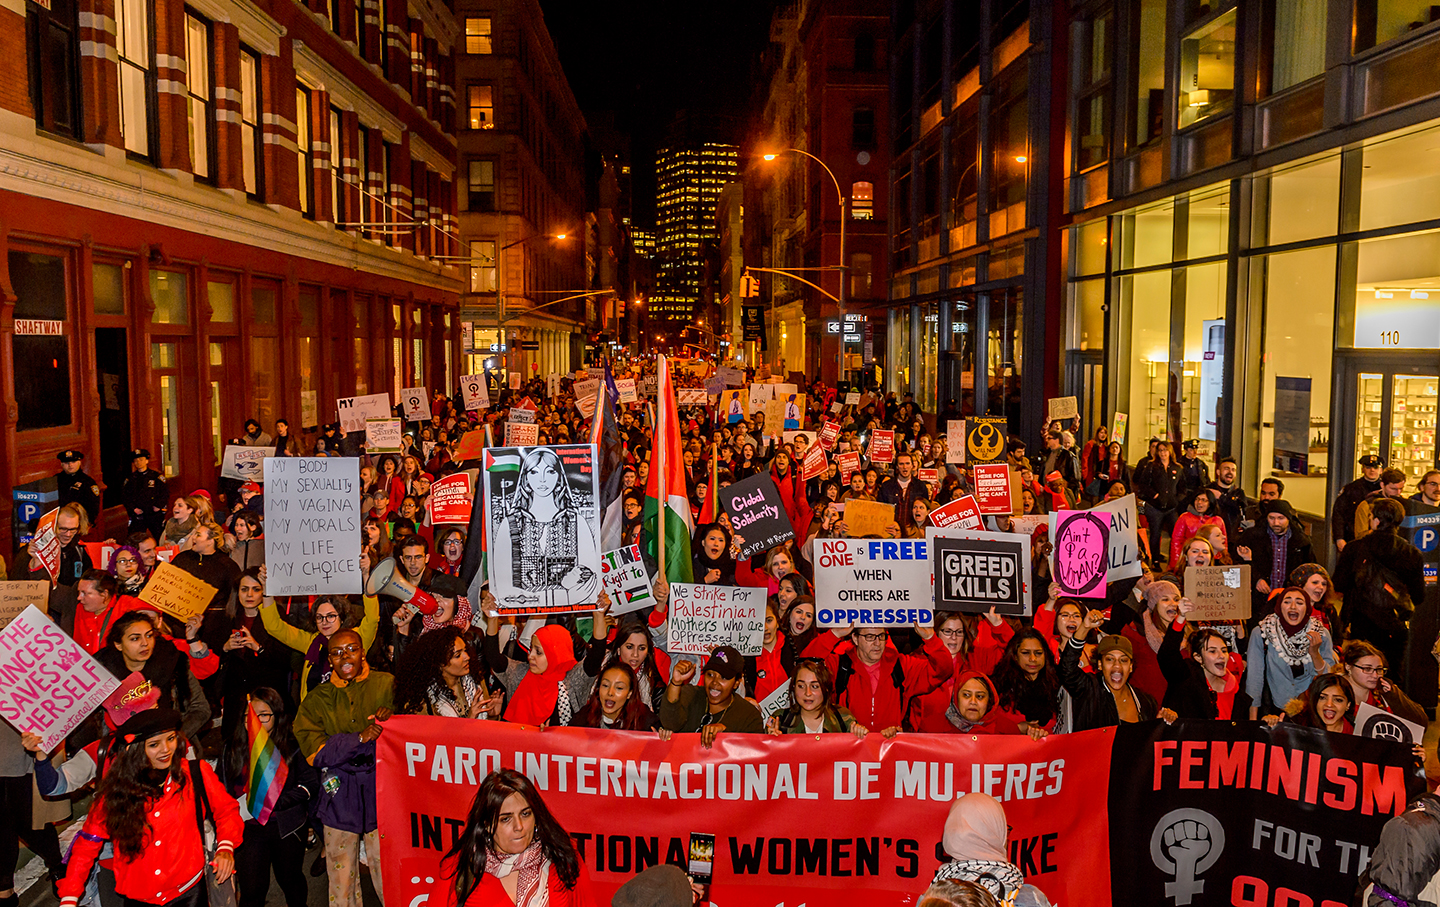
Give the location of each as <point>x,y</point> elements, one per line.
<point>126,560</point>
<point>871,637</point>
<point>1377,670</point>
<point>325,618</point>
<point>952,634</point>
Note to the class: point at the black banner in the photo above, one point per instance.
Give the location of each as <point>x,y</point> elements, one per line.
<point>757,514</point>
<point>752,322</point>
<point>1210,813</point>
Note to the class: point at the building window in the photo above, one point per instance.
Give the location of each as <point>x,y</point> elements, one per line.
<point>1092,104</point>
<point>365,214</point>
<point>250,133</point>
<point>137,73</point>
<point>482,186</point>
<point>1207,70</point>
<point>387,197</point>
<point>1378,21</point>
<point>42,361</point>
<point>482,266</point>
<point>1297,53</point>
<point>1148,64</point>
<point>54,67</point>
<point>304,159</point>
<point>200,108</point>
<point>482,106</point>
<point>864,52</point>
<point>337,188</point>
<point>478,36</point>
<point>861,268</point>
<point>862,127</point>
<point>862,201</point>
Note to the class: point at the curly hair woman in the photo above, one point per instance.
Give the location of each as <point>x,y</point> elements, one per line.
<point>512,851</point>
<point>1028,681</point>
<point>438,675</point>
<point>148,796</point>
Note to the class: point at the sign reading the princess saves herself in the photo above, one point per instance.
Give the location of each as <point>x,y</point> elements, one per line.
<point>48,684</point>
<point>872,583</point>
<point>757,514</point>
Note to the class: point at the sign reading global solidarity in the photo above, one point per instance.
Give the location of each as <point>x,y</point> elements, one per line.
<point>757,514</point>
<point>977,571</point>
<point>872,583</point>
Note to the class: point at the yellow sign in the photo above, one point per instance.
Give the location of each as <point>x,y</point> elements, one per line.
<point>17,595</point>
<point>176,592</point>
<point>985,440</point>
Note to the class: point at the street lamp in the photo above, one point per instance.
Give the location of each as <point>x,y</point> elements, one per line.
<point>840,300</point>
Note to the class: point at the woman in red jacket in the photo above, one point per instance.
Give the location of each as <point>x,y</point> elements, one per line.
<point>146,808</point>
<point>512,851</point>
<point>787,480</point>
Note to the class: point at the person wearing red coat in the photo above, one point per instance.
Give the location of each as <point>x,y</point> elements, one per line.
<point>159,854</point>
<point>927,711</point>
<point>974,708</point>
<point>786,476</point>
<point>1200,511</point>
<point>876,683</point>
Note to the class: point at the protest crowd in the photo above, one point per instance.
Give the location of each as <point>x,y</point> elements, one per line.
<point>546,554</point>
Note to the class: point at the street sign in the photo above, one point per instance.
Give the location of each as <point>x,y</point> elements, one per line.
<point>531,345</point>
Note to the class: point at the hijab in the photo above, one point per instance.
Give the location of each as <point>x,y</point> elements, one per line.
<point>535,697</point>
<point>975,837</point>
<point>986,725</point>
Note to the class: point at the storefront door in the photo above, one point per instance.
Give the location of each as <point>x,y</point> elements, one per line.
<point>1386,405</point>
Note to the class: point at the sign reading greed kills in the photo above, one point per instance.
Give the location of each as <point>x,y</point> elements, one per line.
<point>757,514</point>
<point>703,617</point>
<point>451,500</point>
<point>312,525</point>
<point>977,571</point>
<point>626,580</point>
<point>872,583</point>
<point>48,684</point>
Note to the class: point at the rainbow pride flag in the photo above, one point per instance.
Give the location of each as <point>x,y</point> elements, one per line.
<point>268,769</point>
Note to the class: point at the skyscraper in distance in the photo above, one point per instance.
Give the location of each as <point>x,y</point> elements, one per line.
<point>689,178</point>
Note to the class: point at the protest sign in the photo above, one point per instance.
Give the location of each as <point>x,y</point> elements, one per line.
<point>813,464</point>
<point>961,513</point>
<point>794,411</point>
<point>731,408</point>
<point>1122,422</point>
<point>992,487</point>
<point>594,372</point>
<point>1081,547</point>
<point>451,500</point>
<point>756,514</point>
<point>829,434</point>
<point>836,409</point>
<point>475,391</point>
<point>1379,724</point>
<point>848,462</point>
<point>416,401</point>
<point>45,544</point>
<point>1218,593</point>
<point>1028,523</point>
<point>515,379</point>
<point>852,398</point>
<point>48,684</point>
<point>521,434</point>
<point>774,416</point>
<point>586,396</point>
<point>930,477</point>
<point>731,377</point>
<point>691,396</point>
<point>775,703</point>
<point>714,387</point>
<point>383,435</point>
<point>17,595</point>
<point>626,580</point>
<point>976,571</point>
<point>625,387</point>
<point>871,583</point>
<point>312,525</point>
<point>469,446</point>
<point>555,571</point>
<point>309,409</point>
<point>1062,408</point>
<point>985,440</point>
<point>955,441</point>
<point>868,517</point>
<point>177,593</point>
<point>703,617</point>
<point>244,464</point>
<point>521,416</point>
<point>135,694</point>
<point>648,386</point>
<point>552,385</point>
<point>882,446</point>
<point>760,394</point>
<point>1124,540</point>
<point>353,411</point>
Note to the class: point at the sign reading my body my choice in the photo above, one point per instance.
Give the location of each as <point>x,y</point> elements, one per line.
<point>872,583</point>
<point>757,514</point>
<point>312,525</point>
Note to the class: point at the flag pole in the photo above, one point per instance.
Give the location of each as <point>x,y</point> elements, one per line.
<point>660,465</point>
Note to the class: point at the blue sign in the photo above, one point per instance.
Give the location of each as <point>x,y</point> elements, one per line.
<point>1426,538</point>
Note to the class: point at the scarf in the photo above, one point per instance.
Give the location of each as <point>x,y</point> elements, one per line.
<point>1002,880</point>
<point>537,694</point>
<point>1225,699</point>
<point>1154,637</point>
<point>443,703</point>
<point>986,724</point>
<point>533,887</point>
<point>1279,552</point>
<point>1293,646</point>
<point>463,614</point>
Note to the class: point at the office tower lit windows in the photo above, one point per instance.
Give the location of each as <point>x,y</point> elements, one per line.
<point>689,181</point>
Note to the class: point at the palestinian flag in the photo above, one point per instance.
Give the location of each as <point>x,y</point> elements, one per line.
<point>667,504</point>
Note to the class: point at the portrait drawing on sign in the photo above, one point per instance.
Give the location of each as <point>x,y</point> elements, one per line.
<point>544,551</point>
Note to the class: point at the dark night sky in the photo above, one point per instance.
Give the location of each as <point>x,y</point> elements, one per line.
<point>642,61</point>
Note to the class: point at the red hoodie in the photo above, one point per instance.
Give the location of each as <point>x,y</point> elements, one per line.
<point>993,722</point>
<point>878,709</point>
<point>927,711</point>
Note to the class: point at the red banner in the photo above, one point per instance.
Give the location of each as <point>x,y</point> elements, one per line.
<point>791,816</point>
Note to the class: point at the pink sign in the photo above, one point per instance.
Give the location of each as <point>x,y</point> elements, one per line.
<point>48,684</point>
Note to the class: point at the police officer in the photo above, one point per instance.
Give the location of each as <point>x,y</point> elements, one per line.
<point>1342,515</point>
<point>145,494</point>
<point>75,486</point>
<point>1194,474</point>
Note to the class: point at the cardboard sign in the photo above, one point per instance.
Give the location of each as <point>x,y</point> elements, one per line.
<point>1062,408</point>
<point>829,434</point>
<point>179,594</point>
<point>312,526</point>
<point>586,396</point>
<point>774,417</point>
<point>852,399</point>
<point>625,387</point>
<point>992,488</point>
<point>882,446</point>
<point>961,513</point>
<point>868,518</point>
<point>1124,539</point>
<point>309,409</point>
<point>691,396</point>
<point>475,392</point>
<point>848,462</point>
<point>872,583</point>
<point>756,514</point>
<point>383,435</point>
<point>1379,724</point>
<point>731,408</point>
<point>416,401</point>
<point>17,595</point>
<point>48,684</point>
<point>469,447</point>
<point>353,411</point>
<point>730,377</point>
<point>985,440</point>
<point>451,500</point>
<point>244,464</point>
<point>977,571</point>
<point>626,580</point>
<point>703,617</point>
<point>1122,422</point>
<point>45,545</point>
<point>955,441</point>
<point>1081,543</point>
<point>1219,593</point>
<point>521,434</point>
<point>814,463</point>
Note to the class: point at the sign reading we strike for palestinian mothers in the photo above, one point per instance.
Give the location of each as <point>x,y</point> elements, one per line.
<point>48,684</point>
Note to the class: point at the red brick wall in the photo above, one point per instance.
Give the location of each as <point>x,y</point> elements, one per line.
<point>14,80</point>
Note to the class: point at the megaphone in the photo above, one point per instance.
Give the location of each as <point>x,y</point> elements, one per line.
<point>385,579</point>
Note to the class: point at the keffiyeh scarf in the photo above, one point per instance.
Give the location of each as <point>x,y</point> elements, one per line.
<point>1293,648</point>
<point>533,888</point>
<point>1002,880</point>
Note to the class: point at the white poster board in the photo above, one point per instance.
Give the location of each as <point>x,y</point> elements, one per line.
<point>872,583</point>
<point>383,435</point>
<point>50,685</point>
<point>521,434</point>
<point>312,525</point>
<point>703,617</point>
<point>353,411</point>
<point>626,580</point>
<point>955,441</point>
<point>475,392</point>
<point>626,388</point>
<point>244,464</point>
<point>416,401</point>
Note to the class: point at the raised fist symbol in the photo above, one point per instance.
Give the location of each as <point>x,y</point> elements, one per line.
<point>1191,838</point>
<point>1185,843</point>
<point>1385,730</point>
